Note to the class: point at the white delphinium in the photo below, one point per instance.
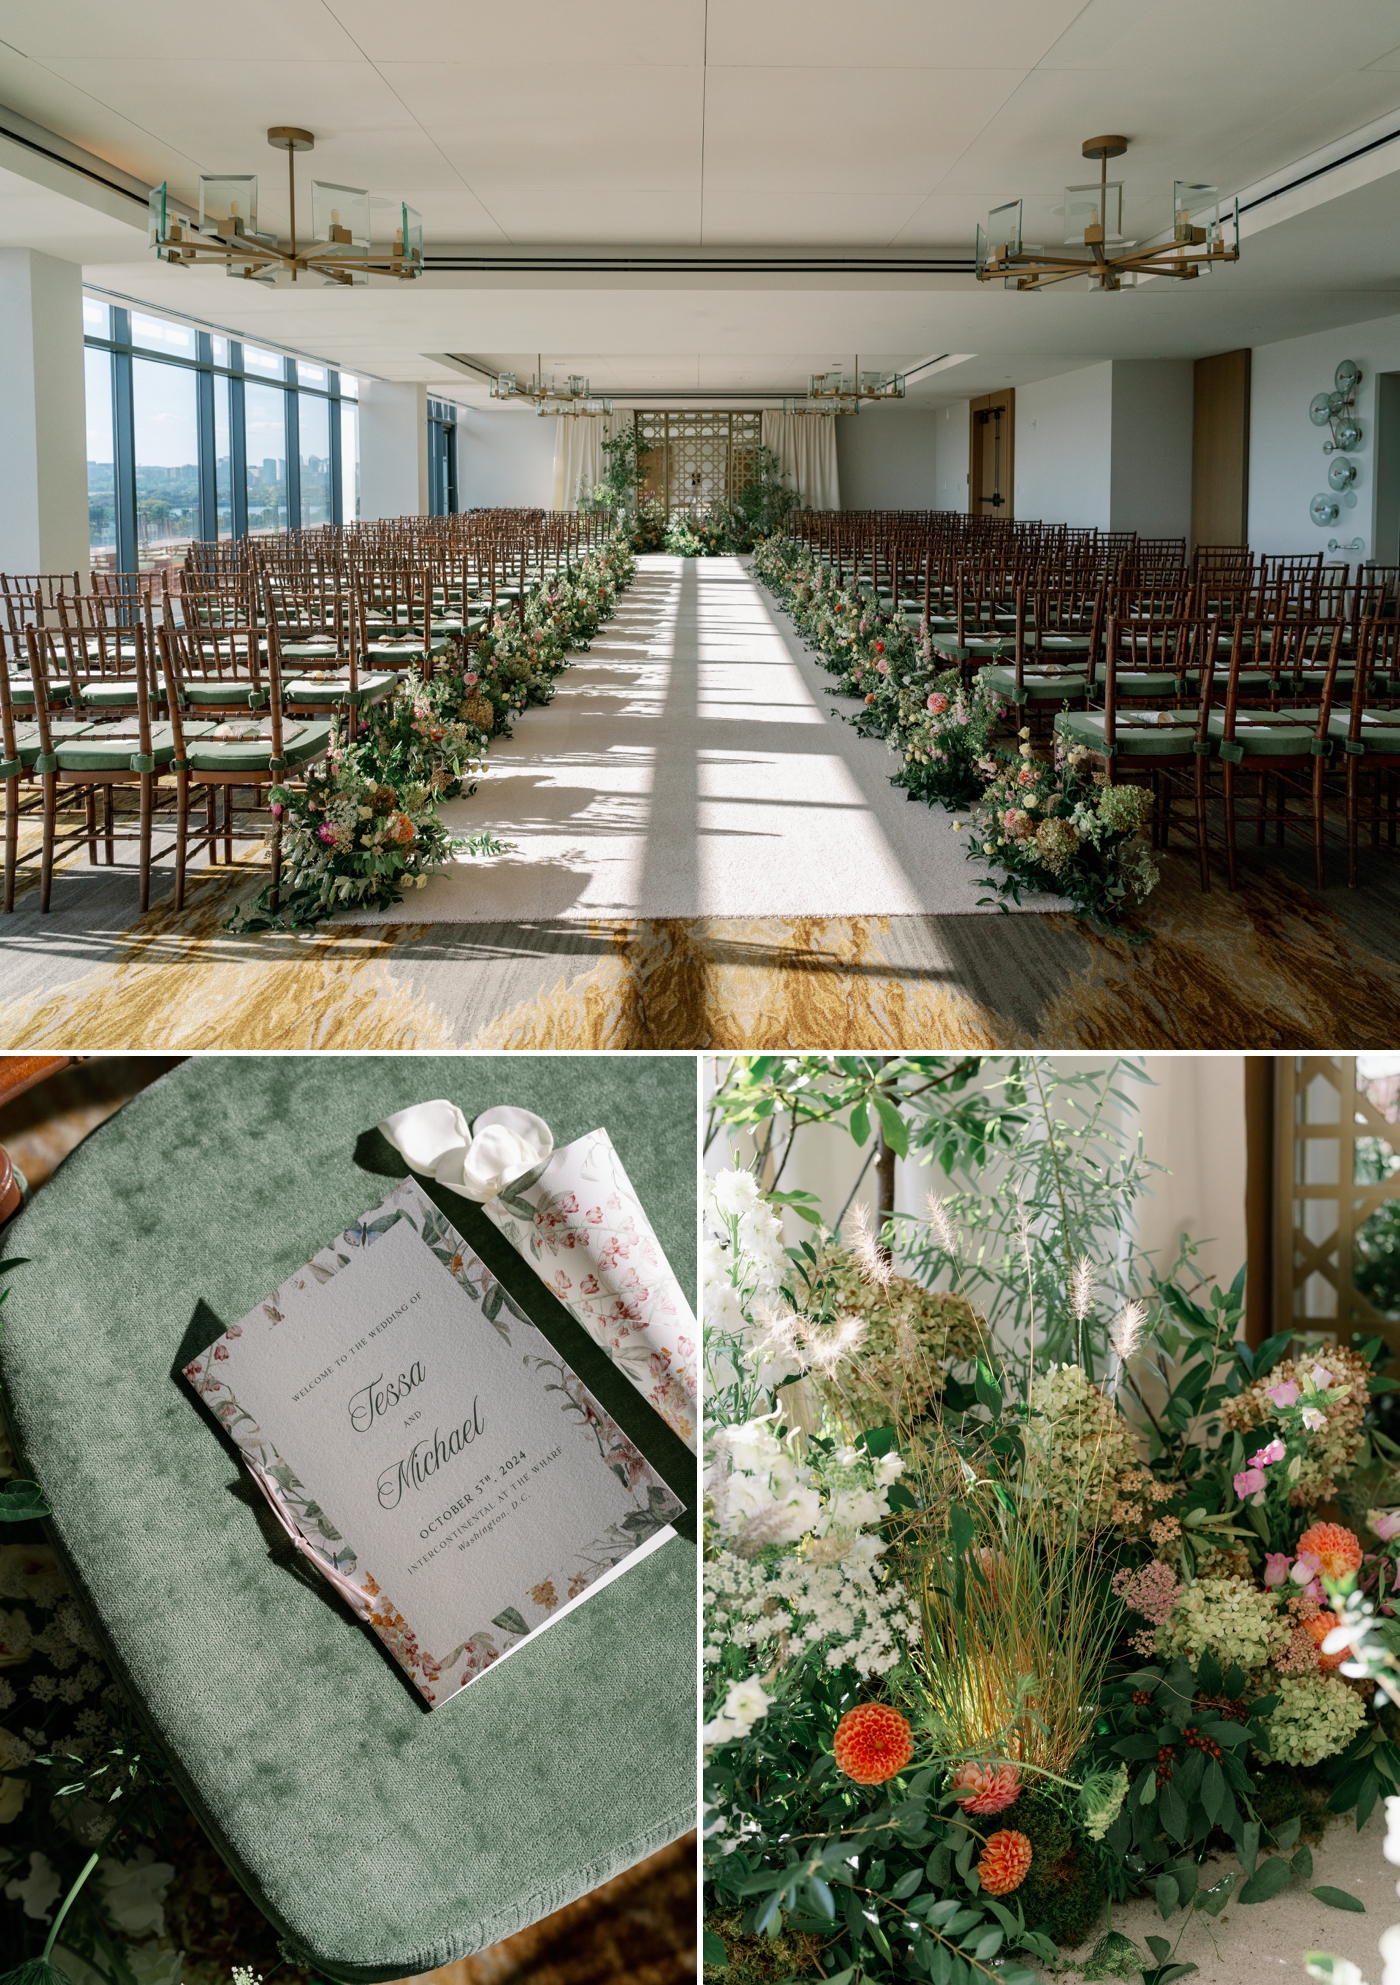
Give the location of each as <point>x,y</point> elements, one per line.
<point>758,1492</point>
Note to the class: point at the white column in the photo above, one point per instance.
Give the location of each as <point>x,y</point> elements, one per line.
<point>43,490</point>
<point>393,450</point>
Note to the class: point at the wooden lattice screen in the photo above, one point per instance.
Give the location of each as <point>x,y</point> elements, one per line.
<point>1337,1195</point>
<point>697,461</point>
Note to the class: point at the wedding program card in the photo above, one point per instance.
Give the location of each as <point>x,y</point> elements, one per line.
<point>430,1445</point>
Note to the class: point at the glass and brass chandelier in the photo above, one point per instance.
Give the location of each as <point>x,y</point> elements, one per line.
<point>1093,228</point>
<point>354,235</point>
<point>573,398</point>
<point>834,392</point>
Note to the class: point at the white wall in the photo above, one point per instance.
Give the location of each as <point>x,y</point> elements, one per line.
<point>393,449</point>
<point>43,486</point>
<point>1287,467</point>
<point>505,459</point>
<point>1150,489</point>
<point>885,459</point>
<point>1064,448</point>
<point>950,457</point>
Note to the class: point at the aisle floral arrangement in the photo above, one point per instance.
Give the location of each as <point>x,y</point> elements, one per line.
<point>1057,828</point>
<point>1019,1605</point>
<point>1037,827</point>
<point>361,829</point>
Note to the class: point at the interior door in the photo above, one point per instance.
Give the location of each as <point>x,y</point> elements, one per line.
<point>991,454</point>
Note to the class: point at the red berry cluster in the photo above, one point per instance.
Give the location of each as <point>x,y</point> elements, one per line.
<point>1164,1763</point>
<point>1199,1743</point>
<point>1142,1697</point>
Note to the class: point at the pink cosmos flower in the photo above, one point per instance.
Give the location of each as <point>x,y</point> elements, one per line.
<point>1383,1523</point>
<point>1276,1565</point>
<point>1266,1456</point>
<point>1285,1393</point>
<point>1249,1482</point>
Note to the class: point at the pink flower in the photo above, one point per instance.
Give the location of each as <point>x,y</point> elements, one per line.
<point>1284,1394</point>
<point>1383,1523</point>
<point>1306,1570</point>
<point>883,667</point>
<point>938,703</point>
<point>276,810</point>
<point>1321,1378</point>
<point>326,832</point>
<point>1276,1565</point>
<point>1249,1482</point>
<point>1275,1451</point>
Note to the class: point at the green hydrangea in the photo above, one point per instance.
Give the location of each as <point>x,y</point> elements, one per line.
<point>1234,1619</point>
<point>1123,809</point>
<point>1318,1717</point>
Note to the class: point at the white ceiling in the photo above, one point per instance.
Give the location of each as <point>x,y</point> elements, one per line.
<point>705,124</point>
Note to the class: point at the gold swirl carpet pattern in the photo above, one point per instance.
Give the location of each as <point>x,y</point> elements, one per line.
<point>1274,965</point>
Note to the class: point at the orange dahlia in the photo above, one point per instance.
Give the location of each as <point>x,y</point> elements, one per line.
<point>1004,1862</point>
<point>1333,1548</point>
<point>873,1742</point>
<point>1319,1626</point>
<point>986,1788</point>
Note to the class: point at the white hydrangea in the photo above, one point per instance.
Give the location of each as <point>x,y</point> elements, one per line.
<point>759,1494</point>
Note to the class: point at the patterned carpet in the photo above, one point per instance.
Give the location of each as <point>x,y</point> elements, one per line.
<point>1275,965</point>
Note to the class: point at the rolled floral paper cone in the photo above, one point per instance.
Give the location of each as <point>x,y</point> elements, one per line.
<point>582,1228</point>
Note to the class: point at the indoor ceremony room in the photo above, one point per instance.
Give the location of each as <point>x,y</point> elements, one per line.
<point>536,534</point>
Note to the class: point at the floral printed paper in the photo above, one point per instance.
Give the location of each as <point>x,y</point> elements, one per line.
<point>644,1505</point>
<point>584,1231</point>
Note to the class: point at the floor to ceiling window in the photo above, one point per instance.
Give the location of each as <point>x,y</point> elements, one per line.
<point>195,435</point>
<point>442,458</point>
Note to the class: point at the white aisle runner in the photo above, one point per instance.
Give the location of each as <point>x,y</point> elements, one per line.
<point>689,767</point>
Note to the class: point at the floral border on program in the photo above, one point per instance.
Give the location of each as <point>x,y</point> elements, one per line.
<point>584,1230</point>
<point>654,1505</point>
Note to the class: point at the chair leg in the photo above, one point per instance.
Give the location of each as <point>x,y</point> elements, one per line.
<point>212,823</point>
<point>148,787</point>
<point>182,833</point>
<point>11,840</point>
<point>1202,843</point>
<point>109,825</point>
<point>1318,824</point>
<point>275,889</point>
<point>1228,795</point>
<point>228,826</point>
<point>1352,821</point>
<point>46,851</point>
<point>90,809</point>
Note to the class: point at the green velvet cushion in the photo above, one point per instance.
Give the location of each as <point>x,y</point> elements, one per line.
<point>27,743</point>
<point>1131,740</point>
<point>300,743</point>
<point>96,750</point>
<point>114,693</point>
<point>22,691</point>
<point>1383,738</point>
<point>1036,686</point>
<point>974,648</point>
<point>1261,736</point>
<point>234,692</point>
<point>303,690</point>
<point>381,1838</point>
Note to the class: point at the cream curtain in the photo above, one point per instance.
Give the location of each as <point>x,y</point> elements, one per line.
<point>805,444</point>
<point>578,452</point>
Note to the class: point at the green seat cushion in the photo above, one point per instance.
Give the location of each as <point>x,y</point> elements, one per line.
<point>312,651</point>
<point>232,693</point>
<point>1132,737</point>
<point>22,691</point>
<point>300,743</point>
<point>382,1839</point>
<point>1151,682</point>
<point>28,746</point>
<point>1380,732</point>
<point>390,651</point>
<point>96,749</point>
<point>302,689</point>
<point>1062,644</point>
<point>977,649</point>
<point>1262,734</point>
<point>113,693</point>
<point>1036,685</point>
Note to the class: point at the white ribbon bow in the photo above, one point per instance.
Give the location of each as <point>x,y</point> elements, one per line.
<point>478,1162</point>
